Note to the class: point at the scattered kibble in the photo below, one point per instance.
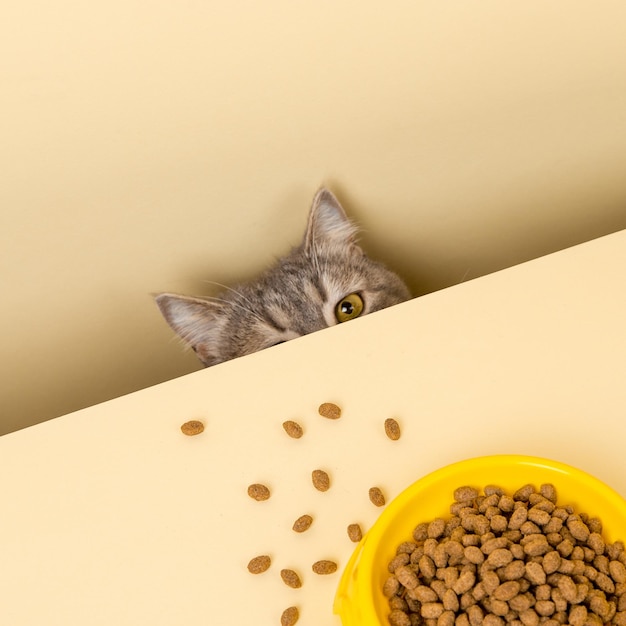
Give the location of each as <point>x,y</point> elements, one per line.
<point>392,429</point>
<point>293,429</point>
<point>302,523</point>
<point>500,559</point>
<point>258,492</point>
<point>324,567</point>
<point>330,411</point>
<point>290,616</point>
<point>193,427</point>
<point>290,578</point>
<point>259,564</point>
<point>355,533</point>
<point>376,496</point>
<point>321,480</point>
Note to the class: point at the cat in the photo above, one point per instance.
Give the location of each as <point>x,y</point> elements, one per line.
<point>324,281</point>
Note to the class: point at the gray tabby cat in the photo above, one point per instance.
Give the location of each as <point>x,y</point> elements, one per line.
<point>326,280</point>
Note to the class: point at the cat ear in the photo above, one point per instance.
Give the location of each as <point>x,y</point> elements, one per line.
<point>328,223</point>
<point>196,320</point>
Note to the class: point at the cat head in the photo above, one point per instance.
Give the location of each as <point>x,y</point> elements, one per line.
<point>324,281</point>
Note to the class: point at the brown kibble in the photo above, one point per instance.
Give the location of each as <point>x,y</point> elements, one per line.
<point>391,587</point>
<point>258,492</point>
<point>398,618</point>
<point>290,578</point>
<point>392,429</point>
<point>432,610</point>
<point>330,411</point>
<point>464,582</point>
<point>579,529</point>
<point>193,427</point>
<point>376,496</point>
<point>617,571</point>
<point>500,557</point>
<point>462,494</point>
<point>326,567</point>
<point>506,591</point>
<point>578,615</point>
<point>548,491</point>
<point>407,577</point>
<point>259,564</point>
<point>355,533</point>
<point>293,429</point>
<point>523,561</point>
<point>321,480</point>
<point>290,616</point>
<point>302,523</point>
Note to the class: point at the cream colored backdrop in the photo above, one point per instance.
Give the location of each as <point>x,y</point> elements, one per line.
<point>148,146</point>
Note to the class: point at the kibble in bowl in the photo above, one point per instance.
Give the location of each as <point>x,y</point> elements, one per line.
<point>362,597</point>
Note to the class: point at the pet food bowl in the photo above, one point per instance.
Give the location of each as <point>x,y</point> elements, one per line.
<point>359,600</point>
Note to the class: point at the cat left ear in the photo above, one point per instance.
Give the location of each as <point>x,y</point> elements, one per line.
<point>328,223</point>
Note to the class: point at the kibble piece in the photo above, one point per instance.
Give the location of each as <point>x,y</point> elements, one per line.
<point>329,410</point>
<point>293,429</point>
<point>436,528</point>
<point>355,533</point>
<point>290,616</point>
<point>548,491</point>
<point>506,591</point>
<point>392,429</point>
<point>432,610</point>
<point>398,618</point>
<point>462,494</point>
<point>579,529</point>
<point>578,615</point>
<point>302,523</point>
<point>376,496</point>
<point>258,492</point>
<point>259,564</point>
<point>535,573</point>
<point>193,427</point>
<point>446,618</point>
<point>391,587</point>
<point>500,557</point>
<point>407,577</point>
<point>398,561</point>
<point>325,567</point>
<point>617,571</point>
<point>290,578</point>
<point>321,480</point>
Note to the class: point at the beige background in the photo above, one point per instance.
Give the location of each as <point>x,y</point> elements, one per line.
<point>157,146</point>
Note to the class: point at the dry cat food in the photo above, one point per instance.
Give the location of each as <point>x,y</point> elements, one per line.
<point>293,429</point>
<point>259,564</point>
<point>302,523</point>
<point>522,560</point>
<point>290,578</point>
<point>193,427</point>
<point>258,492</point>
<point>392,429</point>
<point>290,616</point>
<point>355,533</point>
<point>376,496</point>
<point>324,567</point>
<point>329,410</point>
<point>321,480</point>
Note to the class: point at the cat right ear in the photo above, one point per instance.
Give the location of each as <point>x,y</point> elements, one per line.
<point>196,321</point>
<point>328,223</point>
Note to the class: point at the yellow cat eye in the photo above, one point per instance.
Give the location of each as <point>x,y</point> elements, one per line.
<point>349,307</point>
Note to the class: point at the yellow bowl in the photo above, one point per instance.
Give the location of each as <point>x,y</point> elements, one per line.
<point>359,600</point>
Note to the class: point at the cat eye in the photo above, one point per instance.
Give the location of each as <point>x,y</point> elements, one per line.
<point>349,307</point>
